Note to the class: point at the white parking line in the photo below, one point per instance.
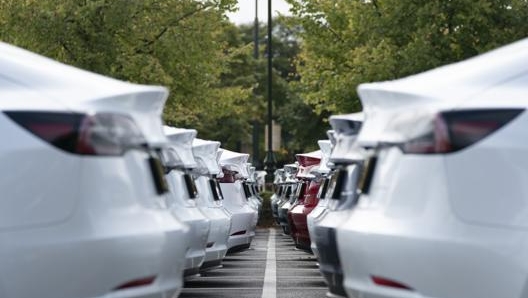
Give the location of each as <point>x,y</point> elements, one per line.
<point>269,290</point>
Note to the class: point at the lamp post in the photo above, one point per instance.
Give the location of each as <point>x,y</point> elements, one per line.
<point>256,125</point>
<point>269,161</point>
<point>256,32</point>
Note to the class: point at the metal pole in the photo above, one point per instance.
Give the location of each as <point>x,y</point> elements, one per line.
<point>256,125</point>
<point>270,158</point>
<point>256,36</point>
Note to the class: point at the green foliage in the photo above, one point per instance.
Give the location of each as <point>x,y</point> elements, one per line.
<point>348,42</point>
<point>301,128</point>
<point>177,43</point>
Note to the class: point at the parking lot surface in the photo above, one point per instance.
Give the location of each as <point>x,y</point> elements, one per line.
<point>272,267</point>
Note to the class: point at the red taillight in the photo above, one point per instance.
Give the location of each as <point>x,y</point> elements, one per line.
<point>381,281</point>
<point>109,134</point>
<point>229,176</point>
<point>456,130</point>
<point>136,283</point>
<point>99,134</point>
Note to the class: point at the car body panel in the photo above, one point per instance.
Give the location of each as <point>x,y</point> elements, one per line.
<point>243,217</point>
<point>306,202</point>
<point>97,222</point>
<point>298,213</point>
<point>440,213</point>
<point>220,221</point>
<point>181,199</point>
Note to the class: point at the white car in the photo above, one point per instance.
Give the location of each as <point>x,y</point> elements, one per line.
<point>248,185</point>
<point>82,210</point>
<point>179,161</point>
<point>243,217</point>
<point>290,191</point>
<point>444,205</point>
<point>210,201</point>
<point>278,180</point>
<point>347,160</point>
<point>318,212</point>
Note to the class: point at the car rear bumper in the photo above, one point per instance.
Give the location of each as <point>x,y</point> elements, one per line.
<point>94,261</point>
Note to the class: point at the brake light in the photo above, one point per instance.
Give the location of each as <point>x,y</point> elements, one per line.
<point>455,130</point>
<point>105,134</point>
<point>228,177</point>
<point>381,281</point>
<point>136,283</point>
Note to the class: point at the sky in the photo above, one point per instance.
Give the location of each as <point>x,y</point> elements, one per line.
<point>246,11</point>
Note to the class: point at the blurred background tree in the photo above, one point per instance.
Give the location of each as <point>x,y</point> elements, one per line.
<point>348,42</point>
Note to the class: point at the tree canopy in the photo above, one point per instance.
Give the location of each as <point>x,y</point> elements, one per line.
<point>348,42</point>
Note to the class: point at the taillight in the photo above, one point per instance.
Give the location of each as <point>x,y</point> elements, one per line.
<point>322,190</point>
<point>228,177</point>
<point>219,189</point>
<point>301,190</point>
<point>455,130</point>
<point>381,281</point>
<point>286,190</point>
<point>215,189</point>
<point>367,174</point>
<point>247,193</point>
<point>191,186</point>
<point>136,283</point>
<point>243,232</point>
<point>99,134</point>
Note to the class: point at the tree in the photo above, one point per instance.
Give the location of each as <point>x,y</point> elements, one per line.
<point>301,128</point>
<point>175,43</point>
<point>348,42</point>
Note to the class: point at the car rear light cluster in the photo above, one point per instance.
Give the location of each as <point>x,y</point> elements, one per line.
<point>141,282</point>
<point>322,189</point>
<point>102,134</point>
<point>300,191</point>
<point>455,130</point>
<point>385,282</point>
<point>228,177</point>
<point>215,189</point>
<point>367,174</point>
<point>191,186</point>
<point>247,192</point>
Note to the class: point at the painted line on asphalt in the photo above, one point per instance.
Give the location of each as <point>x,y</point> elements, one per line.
<point>269,290</point>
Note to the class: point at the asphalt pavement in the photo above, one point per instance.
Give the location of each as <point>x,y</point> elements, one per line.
<point>271,268</point>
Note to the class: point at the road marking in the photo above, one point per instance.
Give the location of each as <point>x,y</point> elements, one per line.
<point>269,290</point>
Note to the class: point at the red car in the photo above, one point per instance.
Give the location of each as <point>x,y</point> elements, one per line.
<point>306,199</point>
